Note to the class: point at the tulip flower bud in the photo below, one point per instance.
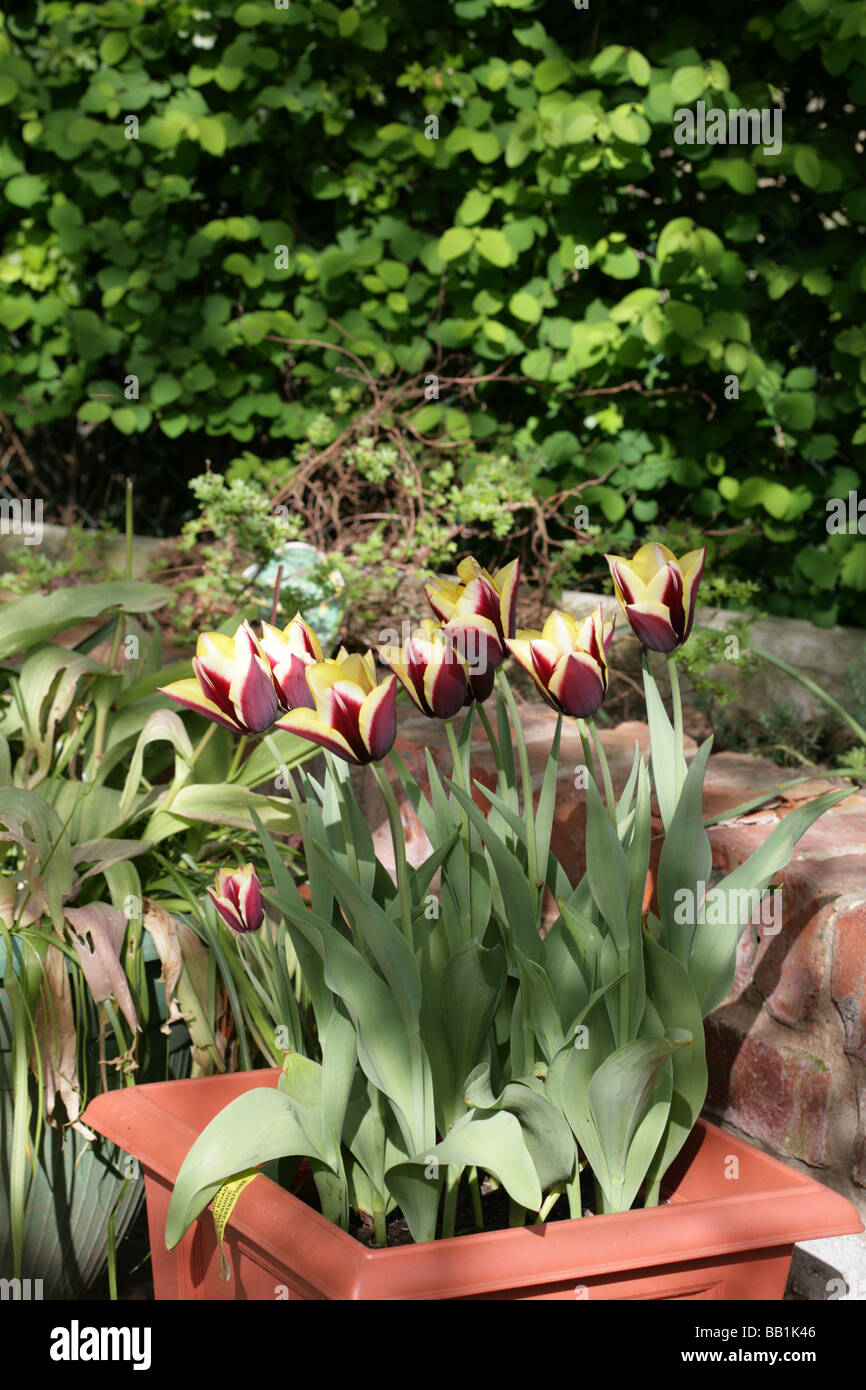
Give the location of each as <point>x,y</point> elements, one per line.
<point>658,593</point>
<point>430,670</point>
<point>238,898</point>
<point>353,716</point>
<point>478,614</point>
<point>567,661</point>
<point>233,684</point>
<point>289,653</point>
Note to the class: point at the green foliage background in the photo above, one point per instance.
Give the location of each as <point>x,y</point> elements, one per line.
<point>306,128</point>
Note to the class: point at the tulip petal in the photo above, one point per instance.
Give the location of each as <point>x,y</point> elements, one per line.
<point>404,675</point>
<point>477,643</point>
<point>444,686</point>
<point>253,694</point>
<point>578,685</point>
<point>250,899</point>
<point>217,644</point>
<point>480,686</point>
<point>189,694</point>
<point>227,911</point>
<point>306,723</point>
<point>442,596</point>
<point>666,588</point>
<point>651,622</point>
<point>302,639</point>
<point>480,598</point>
<point>290,681</point>
<point>506,581</point>
<point>340,708</point>
<point>628,585</point>
<point>561,629</point>
<point>521,648</point>
<point>649,559</point>
<point>215,674</point>
<point>322,675</point>
<point>377,722</point>
<point>692,567</point>
<point>545,656</point>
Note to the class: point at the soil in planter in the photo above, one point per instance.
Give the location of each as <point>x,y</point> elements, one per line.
<point>495,1206</point>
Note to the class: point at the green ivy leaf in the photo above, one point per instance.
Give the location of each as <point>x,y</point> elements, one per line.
<point>687,84</point>
<point>494,247</point>
<point>639,69</point>
<point>25,189</point>
<point>454,243</point>
<point>807,166</point>
<point>525,307</point>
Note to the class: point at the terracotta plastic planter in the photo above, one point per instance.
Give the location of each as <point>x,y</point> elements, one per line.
<point>728,1230</point>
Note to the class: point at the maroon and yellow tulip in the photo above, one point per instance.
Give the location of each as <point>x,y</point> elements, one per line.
<point>658,593</point>
<point>354,717</point>
<point>233,685</point>
<point>237,897</point>
<point>567,661</point>
<point>289,653</point>
<point>429,668</point>
<point>478,613</point>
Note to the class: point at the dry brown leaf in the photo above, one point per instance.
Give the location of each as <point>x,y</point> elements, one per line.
<point>56,1040</point>
<point>97,936</point>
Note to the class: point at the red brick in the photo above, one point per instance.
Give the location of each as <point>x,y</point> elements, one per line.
<point>732,844</point>
<point>747,960</point>
<point>849,976</point>
<point>790,967</point>
<point>772,1092</point>
<point>858,1170</point>
<point>733,778</point>
<point>842,827</point>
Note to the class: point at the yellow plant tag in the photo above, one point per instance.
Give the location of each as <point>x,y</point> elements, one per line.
<point>223,1206</point>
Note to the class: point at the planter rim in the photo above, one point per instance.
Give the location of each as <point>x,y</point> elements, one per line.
<point>147,1120</point>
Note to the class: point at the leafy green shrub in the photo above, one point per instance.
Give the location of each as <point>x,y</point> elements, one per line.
<point>215,214</point>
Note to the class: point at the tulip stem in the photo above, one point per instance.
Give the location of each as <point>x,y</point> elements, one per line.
<point>491,737</point>
<point>340,775</point>
<point>449,1211</point>
<point>457,758</point>
<point>380,1224</point>
<point>399,843</point>
<point>676,700</point>
<point>587,747</point>
<point>605,772</point>
<point>236,760</point>
<point>180,782</point>
<point>463,780</point>
<point>203,743</point>
<point>526,779</point>
<point>653,1192</point>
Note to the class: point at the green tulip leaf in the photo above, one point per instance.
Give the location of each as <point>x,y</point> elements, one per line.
<point>493,1143</point>
<point>686,860</point>
<point>712,958</point>
<point>677,1005</point>
<point>261,1125</point>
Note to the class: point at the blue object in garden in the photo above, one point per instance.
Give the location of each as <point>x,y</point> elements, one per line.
<point>321,601</point>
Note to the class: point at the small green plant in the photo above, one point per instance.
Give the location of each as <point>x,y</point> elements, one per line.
<point>82,560</point>
<point>237,527</point>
